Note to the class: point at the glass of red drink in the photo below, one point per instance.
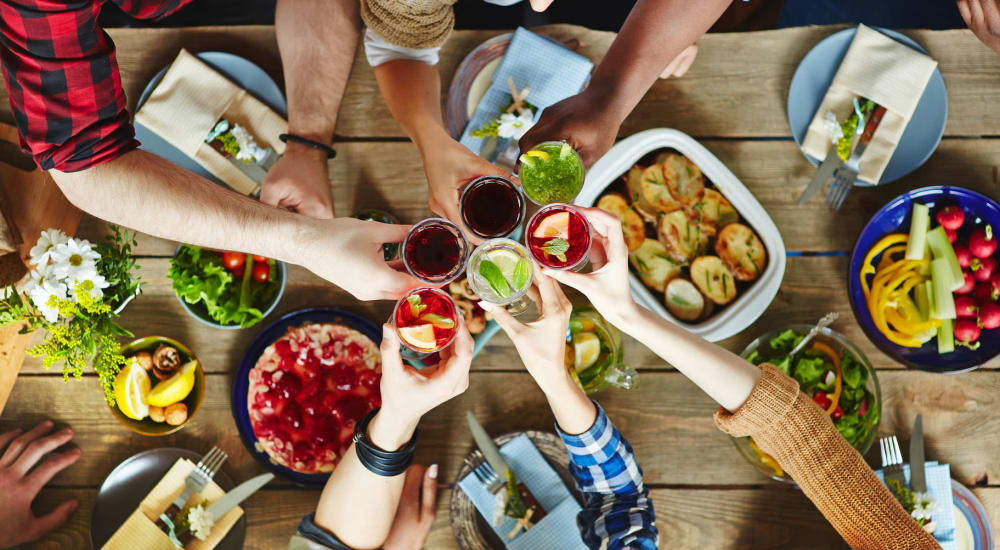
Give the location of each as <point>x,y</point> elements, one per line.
<point>435,251</point>
<point>426,319</point>
<point>492,207</point>
<point>558,237</point>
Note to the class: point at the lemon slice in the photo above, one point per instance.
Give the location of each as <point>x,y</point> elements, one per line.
<point>419,336</point>
<point>586,348</point>
<point>505,260</point>
<point>538,154</point>
<point>175,388</point>
<point>131,390</point>
<point>554,225</point>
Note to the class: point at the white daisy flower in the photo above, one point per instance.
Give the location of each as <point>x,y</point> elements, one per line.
<point>200,521</point>
<point>924,506</point>
<point>42,285</point>
<point>47,241</point>
<point>514,126</point>
<point>832,127</point>
<point>99,283</point>
<point>74,259</point>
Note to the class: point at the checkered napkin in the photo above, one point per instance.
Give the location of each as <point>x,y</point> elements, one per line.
<point>549,69</point>
<point>558,528</point>
<point>939,486</point>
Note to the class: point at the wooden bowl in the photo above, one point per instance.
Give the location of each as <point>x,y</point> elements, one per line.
<point>192,401</point>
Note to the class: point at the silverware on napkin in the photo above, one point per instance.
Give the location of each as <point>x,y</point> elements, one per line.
<point>194,483</point>
<point>499,468</point>
<point>918,477</point>
<point>823,175</point>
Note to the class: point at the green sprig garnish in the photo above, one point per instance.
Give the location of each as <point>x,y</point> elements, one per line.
<point>489,271</point>
<point>556,247</point>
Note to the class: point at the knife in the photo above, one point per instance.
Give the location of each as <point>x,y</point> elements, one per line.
<point>228,501</point>
<point>823,174</point>
<point>918,479</point>
<point>499,465</point>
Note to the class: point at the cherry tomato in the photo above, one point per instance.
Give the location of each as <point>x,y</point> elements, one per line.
<point>238,272</point>
<point>837,413</point>
<point>233,260</point>
<point>259,259</point>
<point>821,399</point>
<point>261,273</point>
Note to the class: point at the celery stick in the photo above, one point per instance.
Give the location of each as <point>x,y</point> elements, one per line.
<point>943,300</point>
<point>931,304</point>
<point>920,222</point>
<point>923,301</point>
<point>942,249</point>
<point>946,336</point>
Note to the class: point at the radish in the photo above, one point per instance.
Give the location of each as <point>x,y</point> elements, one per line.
<point>963,255</point>
<point>966,331</point>
<point>952,235</point>
<point>995,283</point>
<point>966,307</point>
<point>863,409</point>
<point>989,315</point>
<point>822,400</point>
<point>982,269</point>
<point>830,377</point>
<point>986,293</point>
<point>983,242</point>
<point>950,217</point>
<point>968,283</point>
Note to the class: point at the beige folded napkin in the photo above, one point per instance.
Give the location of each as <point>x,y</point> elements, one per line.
<point>885,71</point>
<point>191,99</point>
<point>140,530</point>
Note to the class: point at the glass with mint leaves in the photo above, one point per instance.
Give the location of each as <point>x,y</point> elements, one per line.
<point>551,172</point>
<point>500,272</point>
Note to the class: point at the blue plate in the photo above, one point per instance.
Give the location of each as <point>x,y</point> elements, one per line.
<point>893,218</point>
<point>241,71</point>
<point>975,514</point>
<point>241,383</point>
<point>813,77</point>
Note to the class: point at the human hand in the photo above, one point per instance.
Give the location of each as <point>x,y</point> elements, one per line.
<point>300,181</point>
<point>983,19</point>
<point>415,514</point>
<point>680,64</point>
<point>581,120</point>
<point>21,480</point>
<point>408,393</point>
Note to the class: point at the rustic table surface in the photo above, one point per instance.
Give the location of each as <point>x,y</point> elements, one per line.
<point>706,495</point>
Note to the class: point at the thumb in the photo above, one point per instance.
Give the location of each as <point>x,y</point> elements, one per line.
<point>51,521</point>
<point>507,322</point>
<point>388,232</point>
<point>392,361</point>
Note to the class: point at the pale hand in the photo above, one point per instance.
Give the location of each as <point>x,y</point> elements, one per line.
<point>21,480</point>
<point>680,64</point>
<point>300,181</point>
<point>580,120</point>
<point>416,511</point>
<point>983,19</point>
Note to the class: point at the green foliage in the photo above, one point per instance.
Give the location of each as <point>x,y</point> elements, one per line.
<point>849,127</point>
<point>116,264</point>
<point>515,506</point>
<point>489,129</point>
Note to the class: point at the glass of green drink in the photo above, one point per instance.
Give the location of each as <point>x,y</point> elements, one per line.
<point>551,172</point>
<point>500,272</point>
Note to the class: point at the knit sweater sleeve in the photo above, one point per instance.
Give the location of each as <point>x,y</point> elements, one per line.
<point>785,423</point>
<point>415,24</point>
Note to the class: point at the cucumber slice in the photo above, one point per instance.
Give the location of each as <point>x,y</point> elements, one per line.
<point>920,222</point>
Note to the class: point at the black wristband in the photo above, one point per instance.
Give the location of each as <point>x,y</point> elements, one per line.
<point>378,461</point>
<point>330,153</point>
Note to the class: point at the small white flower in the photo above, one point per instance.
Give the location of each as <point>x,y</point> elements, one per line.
<point>96,291</point>
<point>41,286</point>
<point>200,521</point>
<point>514,126</point>
<point>499,505</point>
<point>75,259</point>
<point>832,127</point>
<point>47,241</point>
<point>924,506</point>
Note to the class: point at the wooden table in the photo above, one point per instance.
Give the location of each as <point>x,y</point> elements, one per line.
<point>707,496</point>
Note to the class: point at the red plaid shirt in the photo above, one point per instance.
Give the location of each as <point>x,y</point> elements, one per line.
<point>62,77</point>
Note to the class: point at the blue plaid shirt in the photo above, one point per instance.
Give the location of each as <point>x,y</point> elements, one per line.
<point>618,512</point>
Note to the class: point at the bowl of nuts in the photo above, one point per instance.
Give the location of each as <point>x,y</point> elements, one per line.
<point>160,388</point>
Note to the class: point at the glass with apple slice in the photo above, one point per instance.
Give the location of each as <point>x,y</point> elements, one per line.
<point>558,237</point>
<point>426,320</point>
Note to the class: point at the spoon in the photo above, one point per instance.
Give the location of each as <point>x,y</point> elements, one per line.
<point>824,322</point>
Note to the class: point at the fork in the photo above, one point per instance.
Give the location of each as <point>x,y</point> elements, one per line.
<point>488,477</point>
<point>196,481</point>
<point>892,459</point>
<point>845,176</point>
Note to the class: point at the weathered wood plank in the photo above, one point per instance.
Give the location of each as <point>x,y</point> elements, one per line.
<point>667,419</point>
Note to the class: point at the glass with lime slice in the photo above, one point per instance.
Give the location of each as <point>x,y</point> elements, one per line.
<point>551,172</point>
<point>500,272</point>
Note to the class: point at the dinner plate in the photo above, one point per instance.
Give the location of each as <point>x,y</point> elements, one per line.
<point>132,480</point>
<point>813,77</point>
<point>472,79</point>
<point>974,513</point>
<point>241,71</point>
<point>241,382</point>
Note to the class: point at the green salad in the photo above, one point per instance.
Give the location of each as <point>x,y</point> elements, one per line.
<point>819,372</point>
<point>231,294</point>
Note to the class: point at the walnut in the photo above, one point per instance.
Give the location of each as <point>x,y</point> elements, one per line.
<point>460,289</point>
<point>144,359</point>
<point>156,414</point>
<point>166,361</point>
<point>475,321</point>
<point>176,414</point>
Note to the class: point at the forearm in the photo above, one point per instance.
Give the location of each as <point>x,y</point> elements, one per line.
<point>655,32</point>
<point>412,91</point>
<point>147,193</point>
<point>358,506</point>
<point>573,410</point>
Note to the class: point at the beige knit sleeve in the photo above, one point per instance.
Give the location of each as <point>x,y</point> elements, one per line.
<point>786,424</point>
<point>410,23</point>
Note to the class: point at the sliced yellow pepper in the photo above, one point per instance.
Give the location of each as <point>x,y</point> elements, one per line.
<point>828,351</point>
<point>767,459</point>
<point>907,327</point>
<point>886,258</point>
<point>885,242</point>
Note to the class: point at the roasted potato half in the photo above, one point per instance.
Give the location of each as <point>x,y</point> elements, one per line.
<point>684,300</point>
<point>742,251</point>
<point>653,264</point>
<point>713,279</point>
<point>684,179</point>
<point>683,239</point>
<point>714,209</point>
<point>633,181</point>
<point>655,192</point>
<point>613,203</point>
<point>634,229</point>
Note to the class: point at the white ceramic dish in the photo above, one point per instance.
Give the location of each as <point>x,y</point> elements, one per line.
<point>752,302</point>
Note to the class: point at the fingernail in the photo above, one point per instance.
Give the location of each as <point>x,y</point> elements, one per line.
<point>485,305</point>
<point>432,472</point>
<point>67,431</point>
<point>74,506</point>
<point>47,424</point>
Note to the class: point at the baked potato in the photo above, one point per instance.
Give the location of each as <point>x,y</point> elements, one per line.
<point>655,192</point>
<point>634,229</point>
<point>742,251</point>
<point>683,239</point>
<point>715,210</point>
<point>633,181</point>
<point>654,266</point>
<point>684,300</point>
<point>684,179</point>
<point>613,203</point>
<point>713,279</point>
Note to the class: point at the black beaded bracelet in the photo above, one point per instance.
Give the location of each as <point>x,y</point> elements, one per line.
<point>330,153</point>
<point>378,461</point>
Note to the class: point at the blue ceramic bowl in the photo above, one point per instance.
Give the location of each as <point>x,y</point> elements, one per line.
<point>895,217</point>
<point>241,383</point>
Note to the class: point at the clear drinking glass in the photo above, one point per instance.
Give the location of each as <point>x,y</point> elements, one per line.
<point>500,272</point>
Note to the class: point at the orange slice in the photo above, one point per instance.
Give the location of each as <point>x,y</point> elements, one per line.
<point>419,336</point>
<point>554,225</point>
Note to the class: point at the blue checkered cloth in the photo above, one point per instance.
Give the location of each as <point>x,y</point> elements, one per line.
<point>618,512</point>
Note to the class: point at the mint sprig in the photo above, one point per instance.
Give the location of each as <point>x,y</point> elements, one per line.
<point>522,272</point>
<point>491,272</point>
<point>556,247</point>
<point>417,305</point>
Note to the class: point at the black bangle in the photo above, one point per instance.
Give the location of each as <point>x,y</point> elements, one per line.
<point>330,153</point>
<point>378,461</point>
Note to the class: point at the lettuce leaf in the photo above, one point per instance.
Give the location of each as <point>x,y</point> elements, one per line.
<point>199,276</point>
<point>786,341</point>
